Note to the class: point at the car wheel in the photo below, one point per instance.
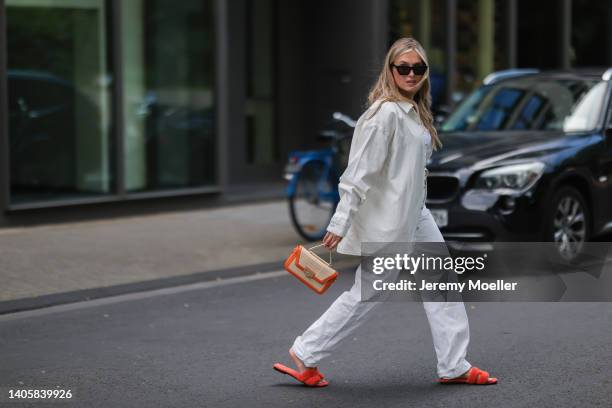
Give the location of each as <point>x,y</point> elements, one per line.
<point>568,225</point>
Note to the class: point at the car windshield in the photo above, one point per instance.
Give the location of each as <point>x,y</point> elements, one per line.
<point>567,104</point>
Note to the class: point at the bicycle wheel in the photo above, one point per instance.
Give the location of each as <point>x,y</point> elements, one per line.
<point>314,201</point>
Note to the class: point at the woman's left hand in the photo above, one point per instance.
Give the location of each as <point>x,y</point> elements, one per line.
<point>331,240</point>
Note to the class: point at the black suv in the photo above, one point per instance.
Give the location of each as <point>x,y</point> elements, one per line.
<point>527,157</point>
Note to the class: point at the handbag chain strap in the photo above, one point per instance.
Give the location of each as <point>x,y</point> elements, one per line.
<point>330,253</point>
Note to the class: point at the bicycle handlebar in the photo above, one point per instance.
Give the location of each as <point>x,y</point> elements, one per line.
<point>345,119</point>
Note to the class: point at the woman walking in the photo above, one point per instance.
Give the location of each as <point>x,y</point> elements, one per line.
<point>383,191</point>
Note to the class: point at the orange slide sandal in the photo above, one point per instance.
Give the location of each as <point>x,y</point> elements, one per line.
<point>475,376</point>
<point>311,377</point>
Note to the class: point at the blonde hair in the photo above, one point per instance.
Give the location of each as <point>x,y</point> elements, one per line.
<point>385,88</point>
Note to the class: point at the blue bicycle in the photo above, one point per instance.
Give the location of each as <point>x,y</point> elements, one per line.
<point>313,177</point>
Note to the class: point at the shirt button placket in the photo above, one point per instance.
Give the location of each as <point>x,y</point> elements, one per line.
<point>426,173</point>
<point>424,188</point>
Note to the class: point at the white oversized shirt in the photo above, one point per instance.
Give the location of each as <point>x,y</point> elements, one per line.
<point>382,189</point>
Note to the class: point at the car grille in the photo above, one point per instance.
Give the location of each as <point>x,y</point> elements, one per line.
<point>442,188</point>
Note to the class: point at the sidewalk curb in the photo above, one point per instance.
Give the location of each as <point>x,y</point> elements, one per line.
<point>39,302</point>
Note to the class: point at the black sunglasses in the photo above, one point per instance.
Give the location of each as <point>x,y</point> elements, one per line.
<point>418,69</point>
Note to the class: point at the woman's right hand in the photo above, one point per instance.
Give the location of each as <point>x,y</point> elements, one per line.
<point>331,240</point>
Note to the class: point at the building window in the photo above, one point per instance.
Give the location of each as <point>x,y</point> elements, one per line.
<point>59,100</point>
<point>168,94</point>
<point>262,146</point>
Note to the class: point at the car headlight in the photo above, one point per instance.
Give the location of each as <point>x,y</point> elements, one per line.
<point>515,177</point>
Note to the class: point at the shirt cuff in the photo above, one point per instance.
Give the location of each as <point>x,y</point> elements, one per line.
<point>338,226</point>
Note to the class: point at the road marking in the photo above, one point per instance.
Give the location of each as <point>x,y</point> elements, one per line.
<point>86,304</point>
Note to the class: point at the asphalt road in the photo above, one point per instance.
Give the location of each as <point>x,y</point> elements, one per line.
<point>213,345</point>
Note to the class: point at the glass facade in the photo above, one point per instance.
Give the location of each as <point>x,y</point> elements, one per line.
<point>481,39</point>
<point>62,130</point>
<point>417,18</point>
<point>168,94</point>
<point>116,99</point>
<point>482,42</point>
<point>492,35</point>
<point>262,145</point>
<point>59,98</point>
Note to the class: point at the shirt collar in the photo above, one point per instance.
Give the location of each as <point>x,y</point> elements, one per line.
<point>409,109</point>
<point>406,106</point>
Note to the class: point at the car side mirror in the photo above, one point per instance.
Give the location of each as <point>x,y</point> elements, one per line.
<point>440,114</point>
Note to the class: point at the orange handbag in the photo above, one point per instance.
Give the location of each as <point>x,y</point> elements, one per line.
<point>310,269</point>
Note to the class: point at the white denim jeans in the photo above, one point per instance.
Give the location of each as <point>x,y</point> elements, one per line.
<point>448,320</point>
